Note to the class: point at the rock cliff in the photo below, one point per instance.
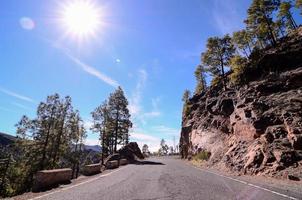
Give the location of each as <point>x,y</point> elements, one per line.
<point>254,128</point>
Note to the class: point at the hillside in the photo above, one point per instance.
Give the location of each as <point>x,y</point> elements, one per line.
<point>254,128</point>
<point>6,139</point>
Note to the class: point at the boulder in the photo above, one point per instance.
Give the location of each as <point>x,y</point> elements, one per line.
<point>131,151</point>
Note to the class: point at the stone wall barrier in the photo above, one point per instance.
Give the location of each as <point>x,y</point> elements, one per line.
<point>112,164</point>
<point>123,161</point>
<point>47,179</point>
<point>92,169</point>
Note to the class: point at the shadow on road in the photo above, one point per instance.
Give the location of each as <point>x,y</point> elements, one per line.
<point>144,162</point>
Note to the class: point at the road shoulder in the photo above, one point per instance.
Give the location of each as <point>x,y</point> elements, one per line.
<point>74,183</point>
<point>286,187</point>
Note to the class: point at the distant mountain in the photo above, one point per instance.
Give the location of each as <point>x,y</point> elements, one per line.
<point>96,148</point>
<point>6,139</point>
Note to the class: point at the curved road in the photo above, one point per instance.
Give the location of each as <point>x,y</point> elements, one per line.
<point>163,179</point>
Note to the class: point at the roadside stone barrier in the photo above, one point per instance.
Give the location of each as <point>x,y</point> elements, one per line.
<point>47,179</point>
<point>92,169</point>
<point>123,161</point>
<point>112,164</point>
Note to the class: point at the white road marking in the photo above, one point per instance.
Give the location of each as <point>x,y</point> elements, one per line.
<point>76,185</point>
<point>246,183</point>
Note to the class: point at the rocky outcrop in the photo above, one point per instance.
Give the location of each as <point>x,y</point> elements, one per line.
<point>255,128</point>
<point>128,153</point>
<point>131,151</point>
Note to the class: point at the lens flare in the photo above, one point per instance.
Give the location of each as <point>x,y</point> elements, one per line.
<point>27,23</point>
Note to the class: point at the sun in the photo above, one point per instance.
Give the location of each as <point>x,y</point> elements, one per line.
<point>81,18</point>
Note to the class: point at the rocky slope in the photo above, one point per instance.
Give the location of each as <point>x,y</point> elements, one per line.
<point>255,128</point>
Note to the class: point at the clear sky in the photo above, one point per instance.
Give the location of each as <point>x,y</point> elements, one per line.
<point>149,47</point>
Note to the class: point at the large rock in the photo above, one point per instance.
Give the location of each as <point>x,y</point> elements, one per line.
<point>255,128</point>
<point>46,179</point>
<point>131,151</point>
<point>126,154</point>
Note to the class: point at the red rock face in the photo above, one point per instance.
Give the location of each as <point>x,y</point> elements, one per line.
<point>257,127</point>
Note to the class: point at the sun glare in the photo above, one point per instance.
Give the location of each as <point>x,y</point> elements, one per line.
<point>81,18</point>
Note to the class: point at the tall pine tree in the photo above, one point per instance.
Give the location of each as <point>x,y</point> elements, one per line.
<point>217,56</point>
<point>260,20</point>
<point>285,15</point>
<point>242,40</point>
<point>102,124</point>
<point>298,5</point>
<point>121,117</point>
<point>200,79</point>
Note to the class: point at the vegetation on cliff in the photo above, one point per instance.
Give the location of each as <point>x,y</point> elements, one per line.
<point>268,24</point>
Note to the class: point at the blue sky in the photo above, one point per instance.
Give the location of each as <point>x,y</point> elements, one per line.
<point>150,48</point>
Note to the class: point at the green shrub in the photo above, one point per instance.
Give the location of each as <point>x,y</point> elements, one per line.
<point>203,155</point>
<point>216,81</point>
<point>238,65</point>
<point>186,109</point>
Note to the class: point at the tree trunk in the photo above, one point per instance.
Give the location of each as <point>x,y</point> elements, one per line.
<point>78,161</point>
<point>116,130</point>
<point>271,32</point>
<point>293,22</point>
<point>223,74</point>
<point>245,53</point>
<point>249,47</point>
<point>127,138</point>
<point>58,142</point>
<point>75,161</point>
<point>103,142</point>
<point>44,149</point>
<point>46,140</point>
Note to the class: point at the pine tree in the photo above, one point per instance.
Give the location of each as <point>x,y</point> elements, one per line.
<point>121,117</point>
<point>102,123</point>
<point>186,96</point>
<point>217,56</point>
<point>299,5</point>
<point>185,99</point>
<point>164,148</point>
<point>242,40</point>
<point>200,79</point>
<point>47,113</point>
<point>285,16</point>
<point>78,135</point>
<point>45,139</point>
<point>260,19</point>
<point>145,149</point>
<point>238,65</point>
<point>62,137</point>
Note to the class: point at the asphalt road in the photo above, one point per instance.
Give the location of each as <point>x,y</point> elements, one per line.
<point>163,179</point>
